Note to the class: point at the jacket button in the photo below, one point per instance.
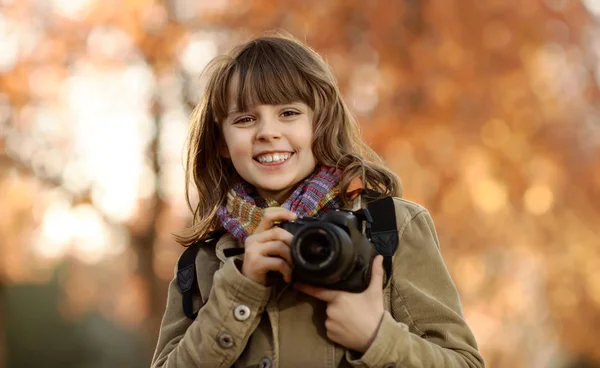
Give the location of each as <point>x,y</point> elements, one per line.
<point>241,312</point>
<point>225,340</point>
<point>265,363</point>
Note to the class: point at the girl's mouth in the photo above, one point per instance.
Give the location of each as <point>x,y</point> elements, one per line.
<point>274,159</point>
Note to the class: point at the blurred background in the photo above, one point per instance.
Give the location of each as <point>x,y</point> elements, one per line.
<point>487,110</point>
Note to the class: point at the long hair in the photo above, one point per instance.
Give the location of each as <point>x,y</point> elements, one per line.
<point>273,69</point>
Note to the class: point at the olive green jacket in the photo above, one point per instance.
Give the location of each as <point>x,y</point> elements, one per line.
<point>244,324</point>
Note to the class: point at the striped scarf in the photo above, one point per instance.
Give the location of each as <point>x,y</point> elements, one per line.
<point>315,196</point>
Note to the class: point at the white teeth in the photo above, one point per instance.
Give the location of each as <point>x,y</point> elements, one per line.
<point>275,157</point>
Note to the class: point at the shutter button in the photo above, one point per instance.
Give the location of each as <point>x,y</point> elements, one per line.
<point>241,312</point>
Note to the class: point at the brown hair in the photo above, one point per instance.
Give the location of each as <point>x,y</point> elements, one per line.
<point>273,69</point>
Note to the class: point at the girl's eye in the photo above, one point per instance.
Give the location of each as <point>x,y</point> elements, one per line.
<point>289,113</point>
<point>244,120</point>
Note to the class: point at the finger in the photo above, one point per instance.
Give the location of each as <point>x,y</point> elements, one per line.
<point>330,326</point>
<point>326,295</point>
<point>272,215</point>
<point>277,264</point>
<point>333,330</point>
<point>275,233</point>
<point>277,249</point>
<point>377,274</point>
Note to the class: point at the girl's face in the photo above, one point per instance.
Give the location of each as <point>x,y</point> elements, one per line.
<point>270,146</point>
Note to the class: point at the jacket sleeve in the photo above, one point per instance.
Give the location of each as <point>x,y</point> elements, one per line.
<point>429,329</point>
<point>219,334</point>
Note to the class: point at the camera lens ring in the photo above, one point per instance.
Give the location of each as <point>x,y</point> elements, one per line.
<point>329,254</point>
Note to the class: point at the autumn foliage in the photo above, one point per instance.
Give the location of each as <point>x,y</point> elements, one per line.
<point>487,110</point>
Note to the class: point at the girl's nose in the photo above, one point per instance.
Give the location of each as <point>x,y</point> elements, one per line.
<point>268,129</point>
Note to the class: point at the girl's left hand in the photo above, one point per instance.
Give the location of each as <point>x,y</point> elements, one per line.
<point>353,318</point>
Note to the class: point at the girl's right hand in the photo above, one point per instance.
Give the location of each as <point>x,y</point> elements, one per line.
<point>268,248</point>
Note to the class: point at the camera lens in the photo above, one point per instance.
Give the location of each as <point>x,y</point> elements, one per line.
<point>315,248</point>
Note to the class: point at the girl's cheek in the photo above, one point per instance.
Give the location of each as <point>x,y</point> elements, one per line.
<point>238,150</point>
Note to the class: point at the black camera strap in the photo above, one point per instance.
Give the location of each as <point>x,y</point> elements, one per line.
<point>383,231</point>
<point>186,272</point>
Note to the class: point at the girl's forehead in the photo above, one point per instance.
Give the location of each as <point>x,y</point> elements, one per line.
<point>259,91</point>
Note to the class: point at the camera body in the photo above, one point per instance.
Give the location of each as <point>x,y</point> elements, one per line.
<point>331,252</point>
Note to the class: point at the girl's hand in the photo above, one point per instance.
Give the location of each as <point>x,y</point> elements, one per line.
<point>268,248</point>
<point>353,318</point>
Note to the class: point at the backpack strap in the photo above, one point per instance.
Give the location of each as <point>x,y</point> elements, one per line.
<point>383,231</point>
<point>186,272</point>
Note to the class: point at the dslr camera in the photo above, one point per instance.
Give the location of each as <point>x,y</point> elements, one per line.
<point>331,252</point>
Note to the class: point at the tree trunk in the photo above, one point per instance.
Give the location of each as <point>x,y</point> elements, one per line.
<point>3,349</point>
<point>144,241</point>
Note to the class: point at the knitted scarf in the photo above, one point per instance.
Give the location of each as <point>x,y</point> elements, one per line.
<point>244,209</point>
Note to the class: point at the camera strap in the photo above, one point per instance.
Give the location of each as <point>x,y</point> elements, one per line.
<point>186,272</point>
<point>383,231</point>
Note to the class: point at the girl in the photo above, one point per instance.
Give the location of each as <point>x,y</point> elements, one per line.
<point>273,140</point>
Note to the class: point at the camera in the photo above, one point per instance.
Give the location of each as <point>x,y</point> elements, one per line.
<point>331,252</point>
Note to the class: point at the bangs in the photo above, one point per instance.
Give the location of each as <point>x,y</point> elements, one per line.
<point>264,73</point>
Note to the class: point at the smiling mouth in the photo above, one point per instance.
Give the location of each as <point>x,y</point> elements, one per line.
<point>274,158</point>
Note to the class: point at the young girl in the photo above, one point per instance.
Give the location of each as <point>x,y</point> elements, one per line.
<point>272,140</point>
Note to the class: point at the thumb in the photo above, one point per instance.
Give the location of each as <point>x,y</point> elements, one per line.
<point>377,274</point>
